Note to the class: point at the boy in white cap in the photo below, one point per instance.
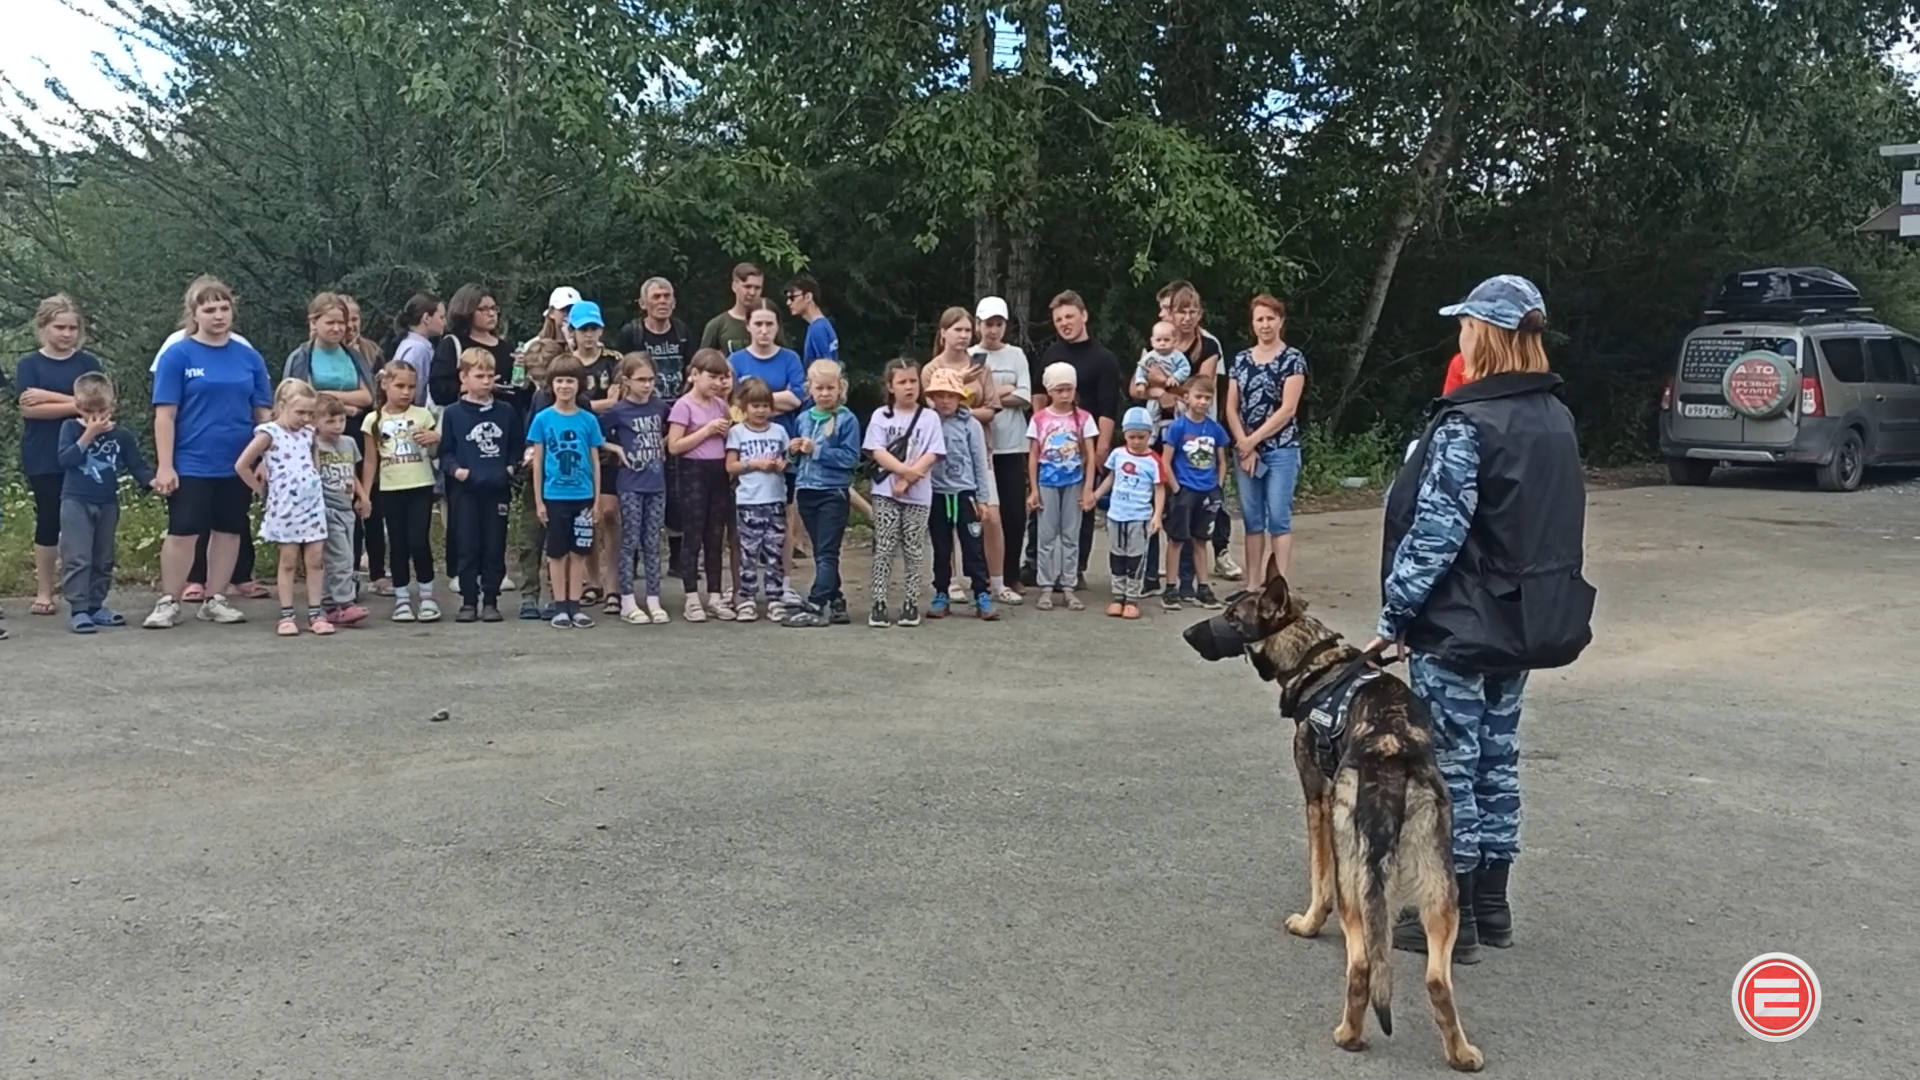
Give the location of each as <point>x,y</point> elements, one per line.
<point>1060,482</point>
<point>1139,503</point>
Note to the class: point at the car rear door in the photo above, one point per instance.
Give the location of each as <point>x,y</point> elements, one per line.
<point>1896,396</point>
<point>1700,411</point>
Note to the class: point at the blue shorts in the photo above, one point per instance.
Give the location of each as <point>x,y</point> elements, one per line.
<point>1266,501</point>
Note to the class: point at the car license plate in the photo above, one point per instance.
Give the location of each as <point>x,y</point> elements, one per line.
<point>1707,412</point>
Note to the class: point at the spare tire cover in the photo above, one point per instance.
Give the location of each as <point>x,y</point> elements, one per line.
<point>1760,383</point>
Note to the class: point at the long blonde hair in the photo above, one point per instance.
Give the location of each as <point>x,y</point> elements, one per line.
<point>1486,349</point>
<point>291,390</point>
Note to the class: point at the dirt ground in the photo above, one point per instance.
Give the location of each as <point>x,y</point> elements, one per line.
<point>1058,845</point>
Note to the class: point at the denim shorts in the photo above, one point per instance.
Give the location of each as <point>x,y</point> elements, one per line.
<point>1266,501</point>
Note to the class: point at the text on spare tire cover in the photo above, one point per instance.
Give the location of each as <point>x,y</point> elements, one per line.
<point>1759,384</point>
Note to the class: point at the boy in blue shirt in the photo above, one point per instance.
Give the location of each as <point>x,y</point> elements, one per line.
<point>566,478</point>
<point>480,445</point>
<point>1195,454</point>
<point>1134,476</point>
<point>94,453</point>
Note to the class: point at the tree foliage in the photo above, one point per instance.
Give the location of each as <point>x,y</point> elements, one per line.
<point>1366,161</point>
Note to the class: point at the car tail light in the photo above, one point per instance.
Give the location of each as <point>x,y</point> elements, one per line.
<point>1666,395</point>
<point>1812,401</point>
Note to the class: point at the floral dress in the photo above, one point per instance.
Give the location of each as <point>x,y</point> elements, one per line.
<point>296,500</point>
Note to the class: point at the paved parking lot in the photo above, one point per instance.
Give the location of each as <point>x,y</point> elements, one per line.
<point>1056,846</point>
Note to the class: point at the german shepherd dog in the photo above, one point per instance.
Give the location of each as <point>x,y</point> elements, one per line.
<point>1382,819</point>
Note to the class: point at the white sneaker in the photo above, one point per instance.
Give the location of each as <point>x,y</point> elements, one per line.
<point>507,585</point>
<point>1006,595</point>
<point>166,615</point>
<point>215,609</point>
<point>1227,568</point>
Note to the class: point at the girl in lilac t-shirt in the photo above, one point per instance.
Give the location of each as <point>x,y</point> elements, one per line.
<point>697,434</point>
<point>903,492</point>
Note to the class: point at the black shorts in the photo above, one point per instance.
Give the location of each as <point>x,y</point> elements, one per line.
<point>1191,515</point>
<point>46,507</point>
<point>609,477</point>
<point>204,504</point>
<point>569,528</point>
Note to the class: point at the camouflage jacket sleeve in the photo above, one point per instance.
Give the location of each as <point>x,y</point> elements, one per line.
<point>1448,497</point>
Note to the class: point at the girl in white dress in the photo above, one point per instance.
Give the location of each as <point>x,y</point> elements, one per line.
<point>280,463</point>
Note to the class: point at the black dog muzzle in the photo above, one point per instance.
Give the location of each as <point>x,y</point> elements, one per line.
<point>1217,638</point>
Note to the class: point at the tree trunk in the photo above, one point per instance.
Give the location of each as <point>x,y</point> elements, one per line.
<point>1024,199</point>
<point>986,225</point>
<point>1428,168</point>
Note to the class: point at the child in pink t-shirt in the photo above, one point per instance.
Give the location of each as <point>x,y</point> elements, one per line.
<point>697,429</point>
<point>1060,483</point>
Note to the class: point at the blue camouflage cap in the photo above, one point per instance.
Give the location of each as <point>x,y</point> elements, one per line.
<point>1502,301</point>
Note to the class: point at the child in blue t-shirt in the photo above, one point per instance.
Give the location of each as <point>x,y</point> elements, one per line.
<point>1195,455</point>
<point>566,478</point>
<point>1135,478</point>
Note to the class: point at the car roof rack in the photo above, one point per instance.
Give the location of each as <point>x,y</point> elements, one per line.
<point>1786,294</point>
<point>1791,316</point>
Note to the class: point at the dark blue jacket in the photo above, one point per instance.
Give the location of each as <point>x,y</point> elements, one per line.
<point>93,471</point>
<point>485,439</point>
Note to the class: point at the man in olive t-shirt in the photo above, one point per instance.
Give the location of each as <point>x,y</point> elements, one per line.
<point>727,331</point>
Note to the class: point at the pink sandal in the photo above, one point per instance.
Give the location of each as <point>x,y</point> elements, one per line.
<point>288,628</point>
<point>321,626</point>
<point>193,594</point>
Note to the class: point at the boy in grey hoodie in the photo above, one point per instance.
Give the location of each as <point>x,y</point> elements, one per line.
<point>964,498</point>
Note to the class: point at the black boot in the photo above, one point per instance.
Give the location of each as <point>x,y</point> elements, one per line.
<point>1410,936</point>
<point>1492,918</point>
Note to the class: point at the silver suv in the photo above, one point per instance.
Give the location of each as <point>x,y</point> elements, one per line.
<point>1814,382</point>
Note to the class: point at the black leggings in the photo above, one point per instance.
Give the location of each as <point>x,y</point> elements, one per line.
<point>408,516</point>
<point>1010,485</point>
<point>46,508</point>
<point>706,508</point>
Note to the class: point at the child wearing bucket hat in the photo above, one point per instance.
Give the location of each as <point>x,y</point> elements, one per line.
<point>964,500</point>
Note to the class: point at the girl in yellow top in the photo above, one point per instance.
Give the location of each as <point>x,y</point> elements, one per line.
<point>401,439</point>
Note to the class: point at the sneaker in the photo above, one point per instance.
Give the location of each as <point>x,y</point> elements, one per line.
<point>909,614</point>
<point>837,613</point>
<point>935,610</point>
<point>1006,596</point>
<point>777,610</point>
<point>1204,594</point>
<point>490,613</point>
<point>529,609</point>
<point>429,611</point>
<point>215,609</point>
<point>877,618</point>
<point>583,621</point>
<point>349,615</point>
<point>106,617</point>
<point>722,608</point>
<point>1170,599</point>
<point>983,607</point>
<point>746,612</point>
<point>403,610</point>
<point>467,613</point>
<point>507,585</point>
<point>166,615</point>
<point>1224,565</point>
<point>82,623</point>
<point>693,612</point>
<point>806,616</point>
<point>562,622</point>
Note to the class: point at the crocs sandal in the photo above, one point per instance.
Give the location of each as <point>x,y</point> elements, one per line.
<point>1130,611</point>
<point>1113,610</point>
<point>288,628</point>
<point>321,626</point>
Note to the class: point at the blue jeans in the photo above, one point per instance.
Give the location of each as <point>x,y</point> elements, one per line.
<point>1266,501</point>
<point>824,514</point>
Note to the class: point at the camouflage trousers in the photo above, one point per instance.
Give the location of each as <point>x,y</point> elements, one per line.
<point>1476,734</point>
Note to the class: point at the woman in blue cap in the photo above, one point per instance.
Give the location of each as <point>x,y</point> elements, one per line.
<point>1481,568</point>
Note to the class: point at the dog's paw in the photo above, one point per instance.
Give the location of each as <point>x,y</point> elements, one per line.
<point>1301,926</point>
<point>1347,1038</point>
<point>1469,1059</point>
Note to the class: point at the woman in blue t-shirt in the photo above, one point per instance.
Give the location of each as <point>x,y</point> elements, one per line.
<point>1263,407</point>
<point>209,391</point>
<point>45,379</point>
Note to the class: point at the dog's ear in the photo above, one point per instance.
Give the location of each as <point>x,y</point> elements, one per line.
<point>1274,598</point>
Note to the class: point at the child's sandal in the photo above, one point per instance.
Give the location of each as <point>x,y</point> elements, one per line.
<point>612,606</point>
<point>322,626</point>
<point>1045,603</point>
<point>1074,603</point>
<point>1130,611</point>
<point>1113,610</point>
<point>288,628</point>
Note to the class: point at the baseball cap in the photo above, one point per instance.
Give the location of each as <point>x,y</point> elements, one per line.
<point>585,313</point>
<point>991,307</point>
<point>563,297</point>
<point>946,382</point>
<point>1059,374</point>
<point>1502,301</point>
<point>1137,419</point>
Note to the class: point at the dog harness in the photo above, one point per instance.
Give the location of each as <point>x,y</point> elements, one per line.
<point>1326,711</point>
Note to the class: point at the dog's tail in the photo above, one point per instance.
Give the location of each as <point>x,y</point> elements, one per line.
<point>1392,799</point>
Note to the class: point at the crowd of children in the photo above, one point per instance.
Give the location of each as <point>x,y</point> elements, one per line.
<point>582,448</point>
